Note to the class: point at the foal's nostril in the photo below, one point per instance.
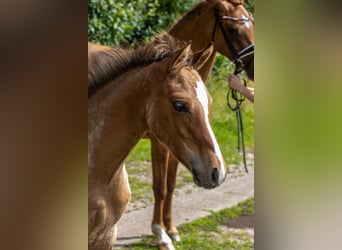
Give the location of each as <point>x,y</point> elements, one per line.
<point>215,175</point>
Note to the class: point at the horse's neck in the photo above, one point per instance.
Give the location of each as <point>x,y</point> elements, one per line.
<point>197,29</point>
<point>116,122</point>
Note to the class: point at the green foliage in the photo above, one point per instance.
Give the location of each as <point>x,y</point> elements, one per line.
<point>127,22</point>
<point>249,5</point>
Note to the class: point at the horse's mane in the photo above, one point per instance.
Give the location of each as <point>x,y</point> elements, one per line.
<point>109,63</point>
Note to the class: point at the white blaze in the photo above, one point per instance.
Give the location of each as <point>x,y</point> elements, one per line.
<point>203,98</point>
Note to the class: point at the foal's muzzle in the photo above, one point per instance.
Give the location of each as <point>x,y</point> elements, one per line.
<point>209,183</point>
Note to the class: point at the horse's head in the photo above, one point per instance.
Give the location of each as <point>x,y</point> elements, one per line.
<point>179,117</point>
<point>233,34</point>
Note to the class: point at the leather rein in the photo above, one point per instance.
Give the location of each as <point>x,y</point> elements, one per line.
<point>239,66</point>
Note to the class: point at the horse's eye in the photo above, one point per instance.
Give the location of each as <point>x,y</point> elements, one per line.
<point>180,106</point>
<point>234,31</point>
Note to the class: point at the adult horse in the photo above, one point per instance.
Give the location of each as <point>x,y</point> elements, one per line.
<point>154,89</point>
<point>229,26</point>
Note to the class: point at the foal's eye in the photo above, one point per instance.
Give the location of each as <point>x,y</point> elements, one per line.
<point>180,106</point>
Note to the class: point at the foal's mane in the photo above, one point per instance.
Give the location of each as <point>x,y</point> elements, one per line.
<point>108,64</point>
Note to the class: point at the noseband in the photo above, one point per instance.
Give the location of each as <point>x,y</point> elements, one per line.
<point>237,56</point>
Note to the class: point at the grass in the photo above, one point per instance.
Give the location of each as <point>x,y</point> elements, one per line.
<point>142,189</point>
<point>211,232</point>
<point>141,152</point>
<point>140,180</point>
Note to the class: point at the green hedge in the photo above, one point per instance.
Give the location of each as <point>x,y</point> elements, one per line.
<point>127,22</point>
<point>250,5</point>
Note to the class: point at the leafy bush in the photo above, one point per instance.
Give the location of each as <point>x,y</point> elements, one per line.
<point>249,5</point>
<point>127,22</point>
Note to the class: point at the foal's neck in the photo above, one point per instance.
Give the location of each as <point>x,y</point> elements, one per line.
<point>116,122</point>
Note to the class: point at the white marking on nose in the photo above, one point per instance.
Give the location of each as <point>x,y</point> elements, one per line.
<point>203,98</point>
<point>247,22</point>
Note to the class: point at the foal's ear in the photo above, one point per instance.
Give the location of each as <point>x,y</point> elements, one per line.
<point>180,57</point>
<point>201,57</point>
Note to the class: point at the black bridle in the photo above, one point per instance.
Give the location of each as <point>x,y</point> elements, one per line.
<point>237,56</point>
<point>239,66</point>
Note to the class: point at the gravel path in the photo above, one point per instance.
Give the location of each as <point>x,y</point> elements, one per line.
<point>238,186</point>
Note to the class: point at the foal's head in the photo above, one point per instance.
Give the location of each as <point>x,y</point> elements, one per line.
<point>234,33</point>
<point>178,116</point>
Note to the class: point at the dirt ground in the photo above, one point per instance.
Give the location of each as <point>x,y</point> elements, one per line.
<point>237,187</point>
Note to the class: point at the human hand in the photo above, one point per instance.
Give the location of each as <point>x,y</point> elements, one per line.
<point>234,82</point>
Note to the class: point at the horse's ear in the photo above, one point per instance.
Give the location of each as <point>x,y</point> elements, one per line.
<point>180,58</point>
<point>202,56</point>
